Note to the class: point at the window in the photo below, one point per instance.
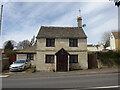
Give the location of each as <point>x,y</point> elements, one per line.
<point>73,42</point>
<point>30,56</point>
<point>49,59</point>
<point>50,42</point>
<point>73,58</point>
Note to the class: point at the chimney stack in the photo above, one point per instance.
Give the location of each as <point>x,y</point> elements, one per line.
<point>79,20</point>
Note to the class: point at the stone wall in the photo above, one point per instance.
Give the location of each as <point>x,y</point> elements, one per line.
<point>42,50</point>
<point>24,56</point>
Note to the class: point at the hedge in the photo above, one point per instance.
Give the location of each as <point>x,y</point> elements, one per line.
<point>109,58</point>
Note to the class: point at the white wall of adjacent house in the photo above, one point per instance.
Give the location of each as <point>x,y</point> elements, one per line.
<point>112,42</point>
<point>94,48</point>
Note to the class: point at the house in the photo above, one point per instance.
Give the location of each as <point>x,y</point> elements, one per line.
<point>61,48</point>
<point>95,48</point>
<point>115,41</point>
<point>27,53</point>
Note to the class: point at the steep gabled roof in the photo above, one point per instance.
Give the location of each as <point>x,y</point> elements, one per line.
<point>61,32</point>
<point>116,35</point>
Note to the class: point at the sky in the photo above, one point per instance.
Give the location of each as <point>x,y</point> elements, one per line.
<point>22,20</point>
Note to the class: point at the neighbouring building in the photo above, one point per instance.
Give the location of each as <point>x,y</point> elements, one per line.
<point>61,48</point>
<point>95,48</point>
<point>115,41</point>
<point>27,53</point>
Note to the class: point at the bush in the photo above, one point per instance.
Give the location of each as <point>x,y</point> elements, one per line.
<point>10,53</point>
<point>109,58</point>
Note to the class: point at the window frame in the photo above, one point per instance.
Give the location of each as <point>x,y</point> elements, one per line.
<point>73,42</point>
<point>73,61</point>
<point>50,42</point>
<point>49,61</point>
<point>30,56</point>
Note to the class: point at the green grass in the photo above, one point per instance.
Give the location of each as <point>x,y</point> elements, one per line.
<point>31,70</point>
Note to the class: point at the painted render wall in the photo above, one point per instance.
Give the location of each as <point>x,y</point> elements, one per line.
<point>42,50</point>
<point>112,42</point>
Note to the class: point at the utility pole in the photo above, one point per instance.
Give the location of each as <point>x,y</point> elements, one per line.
<point>1,18</point>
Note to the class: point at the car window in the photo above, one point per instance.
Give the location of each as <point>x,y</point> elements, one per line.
<point>19,61</point>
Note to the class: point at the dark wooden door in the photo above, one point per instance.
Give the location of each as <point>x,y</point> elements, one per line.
<point>62,62</point>
<point>92,61</point>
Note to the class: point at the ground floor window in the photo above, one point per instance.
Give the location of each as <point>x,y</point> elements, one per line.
<point>49,59</point>
<point>73,58</point>
<point>30,56</point>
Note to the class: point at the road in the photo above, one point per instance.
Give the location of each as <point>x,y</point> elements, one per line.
<point>75,81</point>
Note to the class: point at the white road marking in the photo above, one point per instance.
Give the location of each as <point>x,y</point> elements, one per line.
<point>3,76</point>
<point>104,87</point>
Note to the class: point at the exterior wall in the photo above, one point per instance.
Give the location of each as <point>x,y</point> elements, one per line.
<point>94,48</point>
<point>61,43</point>
<point>42,50</point>
<point>40,62</point>
<point>117,43</point>
<point>33,62</point>
<point>82,61</point>
<point>21,56</point>
<point>24,56</point>
<point>112,42</point>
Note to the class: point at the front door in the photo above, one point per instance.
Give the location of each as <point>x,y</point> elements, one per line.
<point>62,60</point>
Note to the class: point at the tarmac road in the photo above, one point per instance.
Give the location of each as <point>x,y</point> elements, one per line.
<point>75,82</point>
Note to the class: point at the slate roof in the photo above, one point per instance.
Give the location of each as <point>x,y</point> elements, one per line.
<point>61,32</point>
<point>31,49</point>
<point>116,35</point>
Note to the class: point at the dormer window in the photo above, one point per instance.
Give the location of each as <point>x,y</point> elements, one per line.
<point>50,42</point>
<point>73,42</point>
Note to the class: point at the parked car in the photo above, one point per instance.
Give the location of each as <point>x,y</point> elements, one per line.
<point>20,65</point>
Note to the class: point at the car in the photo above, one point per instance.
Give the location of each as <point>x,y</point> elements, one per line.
<point>20,65</point>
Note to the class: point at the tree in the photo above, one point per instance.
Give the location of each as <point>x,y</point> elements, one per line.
<point>9,46</point>
<point>12,41</point>
<point>23,44</point>
<point>106,39</point>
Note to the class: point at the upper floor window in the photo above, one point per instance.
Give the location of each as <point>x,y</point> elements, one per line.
<point>50,42</point>
<point>73,42</point>
<point>30,56</point>
<point>49,59</point>
<point>73,58</point>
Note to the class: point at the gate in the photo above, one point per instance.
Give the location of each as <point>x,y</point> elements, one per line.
<point>92,61</point>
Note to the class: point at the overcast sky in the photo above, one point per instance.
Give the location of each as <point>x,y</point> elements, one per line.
<point>22,20</point>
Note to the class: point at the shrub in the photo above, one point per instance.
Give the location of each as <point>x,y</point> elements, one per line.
<point>109,58</point>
